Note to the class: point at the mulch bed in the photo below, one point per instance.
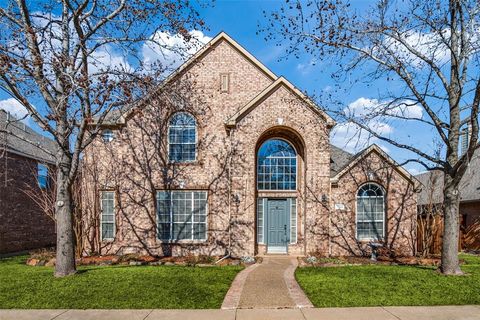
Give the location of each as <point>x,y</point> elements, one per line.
<point>44,259</point>
<point>356,260</point>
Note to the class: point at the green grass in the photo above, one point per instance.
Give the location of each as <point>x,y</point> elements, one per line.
<point>376,285</point>
<point>113,287</point>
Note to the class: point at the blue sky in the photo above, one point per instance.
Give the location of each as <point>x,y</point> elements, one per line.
<point>240,19</point>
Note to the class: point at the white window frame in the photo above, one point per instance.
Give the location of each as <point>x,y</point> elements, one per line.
<point>371,221</point>
<point>175,126</point>
<point>171,223</point>
<point>296,167</point>
<point>293,201</point>
<point>107,135</point>
<point>101,216</point>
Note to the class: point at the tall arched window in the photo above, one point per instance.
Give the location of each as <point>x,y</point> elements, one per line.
<point>370,212</point>
<point>277,166</point>
<point>182,137</point>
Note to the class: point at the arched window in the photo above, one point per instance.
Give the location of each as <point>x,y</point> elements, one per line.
<point>277,166</point>
<point>182,137</point>
<point>370,212</point>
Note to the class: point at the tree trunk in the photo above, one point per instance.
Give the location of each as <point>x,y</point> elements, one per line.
<point>65,261</point>
<point>450,264</point>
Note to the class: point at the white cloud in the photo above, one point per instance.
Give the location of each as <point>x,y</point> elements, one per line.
<point>171,50</point>
<point>351,137</point>
<point>428,44</point>
<point>306,68</point>
<point>15,108</point>
<point>106,58</point>
<point>367,107</point>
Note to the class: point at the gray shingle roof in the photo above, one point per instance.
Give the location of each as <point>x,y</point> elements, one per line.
<point>23,140</point>
<point>432,184</point>
<point>338,159</point>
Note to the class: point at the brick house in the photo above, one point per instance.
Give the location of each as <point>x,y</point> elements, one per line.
<point>228,158</point>
<point>24,164</point>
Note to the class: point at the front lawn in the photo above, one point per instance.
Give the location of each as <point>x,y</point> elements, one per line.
<point>380,285</point>
<point>113,287</point>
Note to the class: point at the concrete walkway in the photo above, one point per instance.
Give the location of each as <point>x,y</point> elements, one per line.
<point>375,313</point>
<point>270,285</point>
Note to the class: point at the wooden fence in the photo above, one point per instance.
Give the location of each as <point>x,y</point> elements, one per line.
<point>430,230</point>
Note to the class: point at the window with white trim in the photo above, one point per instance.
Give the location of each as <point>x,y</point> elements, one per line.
<point>107,217</point>
<point>182,215</point>
<point>182,138</point>
<point>107,135</point>
<point>293,221</point>
<point>370,212</point>
<point>260,220</point>
<point>277,166</point>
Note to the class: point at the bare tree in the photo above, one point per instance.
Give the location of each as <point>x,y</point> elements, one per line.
<point>70,61</point>
<point>427,50</point>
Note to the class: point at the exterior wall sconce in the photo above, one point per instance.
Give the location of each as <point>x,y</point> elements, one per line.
<point>324,199</point>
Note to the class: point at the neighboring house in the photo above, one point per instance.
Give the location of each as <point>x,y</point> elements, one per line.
<point>24,167</point>
<point>431,197</point>
<point>228,158</point>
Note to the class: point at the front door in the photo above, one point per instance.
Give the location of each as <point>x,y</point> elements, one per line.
<point>277,226</point>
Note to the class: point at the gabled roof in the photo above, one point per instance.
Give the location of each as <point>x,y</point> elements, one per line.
<point>281,81</point>
<point>339,158</point>
<point>120,116</point>
<point>365,152</point>
<point>16,137</point>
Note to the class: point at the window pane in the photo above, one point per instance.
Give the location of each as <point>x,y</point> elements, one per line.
<point>370,212</point>
<point>260,220</point>
<point>182,231</point>
<point>42,176</point>
<point>107,216</point>
<point>164,231</point>
<point>293,221</point>
<point>188,209</point>
<point>276,167</point>
<point>199,231</point>
<point>182,138</point>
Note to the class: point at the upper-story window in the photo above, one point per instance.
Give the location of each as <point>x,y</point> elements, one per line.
<point>107,135</point>
<point>42,176</point>
<point>182,138</point>
<point>277,166</point>
<point>370,212</point>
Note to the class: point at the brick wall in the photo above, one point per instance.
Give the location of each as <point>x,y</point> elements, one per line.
<point>400,208</point>
<point>23,225</point>
<point>135,164</point>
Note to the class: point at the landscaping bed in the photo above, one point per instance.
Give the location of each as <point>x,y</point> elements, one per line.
<point>386,284</point>
<point>47,258</point>
<point>120,286</point>
<point>319,261</point>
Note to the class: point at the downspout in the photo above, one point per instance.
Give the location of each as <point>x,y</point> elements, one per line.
<point>229,171</point>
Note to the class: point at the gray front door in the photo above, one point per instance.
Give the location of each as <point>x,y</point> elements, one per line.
<point>277,225</point>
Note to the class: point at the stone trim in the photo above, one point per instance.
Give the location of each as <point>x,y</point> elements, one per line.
<point>232,298</point>
<point>294,289</point>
